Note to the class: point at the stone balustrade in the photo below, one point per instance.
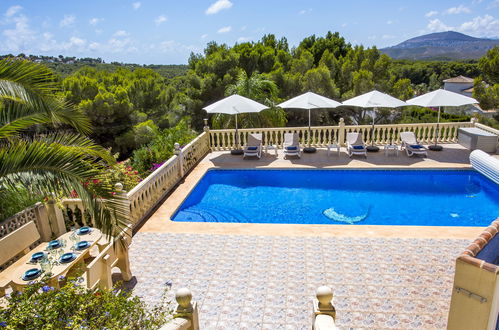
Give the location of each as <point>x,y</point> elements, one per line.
<point>324,312</point>
<point>150,191</point>
<point>322,136</point>
<point>186,316</point>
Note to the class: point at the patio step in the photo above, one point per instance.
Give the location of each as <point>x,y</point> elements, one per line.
<point>211,213</point>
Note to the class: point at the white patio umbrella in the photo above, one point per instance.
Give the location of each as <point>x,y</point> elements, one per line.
<point>441,98</point>
<point>309,101</point>
<point>234,105</point>
<point>375,100</point>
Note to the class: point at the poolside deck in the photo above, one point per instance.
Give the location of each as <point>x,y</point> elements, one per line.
<point>454,156</point>
<point>263,276</point>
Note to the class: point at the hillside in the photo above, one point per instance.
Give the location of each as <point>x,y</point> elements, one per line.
<point>448,45</point>
<point>65,65</point>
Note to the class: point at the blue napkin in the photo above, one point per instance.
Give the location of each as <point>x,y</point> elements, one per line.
<point>291,148</point>
<point>416,146</point>
<point>358,147</point>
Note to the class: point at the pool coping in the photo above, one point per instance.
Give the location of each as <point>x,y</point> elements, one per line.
<point>161,221</point>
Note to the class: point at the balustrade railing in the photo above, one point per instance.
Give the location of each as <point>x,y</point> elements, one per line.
<point>224,139</point>
<point>150,191</point>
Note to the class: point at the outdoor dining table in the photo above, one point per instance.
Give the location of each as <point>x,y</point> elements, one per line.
<point>58,269</point>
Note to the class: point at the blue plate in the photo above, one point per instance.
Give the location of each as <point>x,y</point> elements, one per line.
<point>31,274</point>
<point>54,244</point>
<point>83,230</point>
<point>67,257</point>
<point>82,245</point>
<point>37,256</point>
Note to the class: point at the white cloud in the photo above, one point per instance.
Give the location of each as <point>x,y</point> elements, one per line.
<point>136,5</point>
<point>243,39</point>
<point>389,22</point>
<point>305,11</point>
<point>431,13</point>
<point>204,36</point>
<point>480,26</point>
<point>493,4</point>
<point>388,36</point>
<point>120,33</point>
<point>20,37</point>
<point>125,45</point>
<point>483,26</point>
<point>94,21</point>
<point>458,10</point>
<point>171,46</point>
<point>225,29</point>
<point>373,37</point>
<point>13,10</point>
<point>160,19</point>
<point>436,25</point>
<point>344,25</point>
<point>68,20</point>
<point>476,2</point>
<point>94,46</point>
<point>218,6</point>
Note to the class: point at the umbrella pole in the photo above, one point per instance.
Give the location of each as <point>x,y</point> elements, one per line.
<point>436,147</point>
<point>372,128</point>
<point>309,128</point>
<point>438,126</point>
<point>372,147</point>
<point>237,150</point>
<point>237,135</point>
<point>309,149</point>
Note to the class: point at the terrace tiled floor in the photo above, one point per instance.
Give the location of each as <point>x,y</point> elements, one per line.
<point>264,276</point>
<point>267,282</point>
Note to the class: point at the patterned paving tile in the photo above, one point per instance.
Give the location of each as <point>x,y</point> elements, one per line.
<point>267,282</point>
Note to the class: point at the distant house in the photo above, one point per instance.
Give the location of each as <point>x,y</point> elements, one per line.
<point>460,84</point>
<point>464,85</point>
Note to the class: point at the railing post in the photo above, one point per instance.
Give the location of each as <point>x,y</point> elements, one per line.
<point>187,309</point>
<point>118,187</point>
<point>324,314</point>
<point>42,222</point>
<point>178,152</point>
<point>206,128</point>
<point>56,218</point>
<point>473,121</point>
<point>341,133</point>
<point>323,303</point>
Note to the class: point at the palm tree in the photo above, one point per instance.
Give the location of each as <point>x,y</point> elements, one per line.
<point>43,143</point>
<point>260,89</point>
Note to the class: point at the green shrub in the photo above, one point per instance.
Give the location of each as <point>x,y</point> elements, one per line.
<point>74,307</point>
<point>149,157</point>
<point>12,201</point>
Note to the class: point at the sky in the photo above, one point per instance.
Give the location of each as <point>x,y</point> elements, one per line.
<point>167,31</point>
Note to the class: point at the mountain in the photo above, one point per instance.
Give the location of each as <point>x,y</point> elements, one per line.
<point>448,45</point>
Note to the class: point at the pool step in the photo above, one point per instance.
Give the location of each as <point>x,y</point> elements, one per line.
<point>211,213</point>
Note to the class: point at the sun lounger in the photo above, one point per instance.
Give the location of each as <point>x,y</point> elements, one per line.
<point>411,144</point>
<point>291,145</point>
<point>253,147</point>
<point>355,144</point>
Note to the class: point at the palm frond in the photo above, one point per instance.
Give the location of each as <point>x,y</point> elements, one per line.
<point>26,81</point>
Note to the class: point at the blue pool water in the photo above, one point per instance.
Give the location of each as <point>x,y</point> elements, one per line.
<point>370,197</point>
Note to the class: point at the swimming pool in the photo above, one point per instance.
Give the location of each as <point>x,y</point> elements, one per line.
<point>370,197</point>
